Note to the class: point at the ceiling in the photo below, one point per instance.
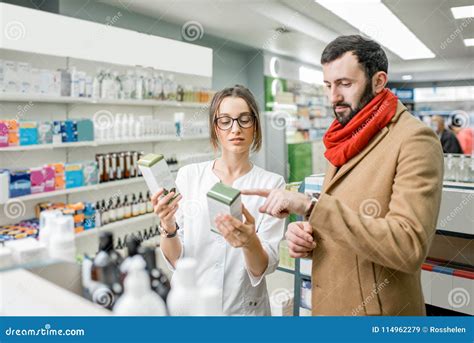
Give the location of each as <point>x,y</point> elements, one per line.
<point>311,27</point>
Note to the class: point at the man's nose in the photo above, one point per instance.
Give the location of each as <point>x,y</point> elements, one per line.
<point>335,97</point>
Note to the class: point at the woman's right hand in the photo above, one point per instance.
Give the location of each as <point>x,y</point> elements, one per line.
<point>165,209</point>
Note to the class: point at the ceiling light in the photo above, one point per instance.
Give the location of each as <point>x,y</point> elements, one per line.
<point>469,42</point>
<point>387,29</point>
<point>309,75</point>
<point>274,66</point>
<point>463,12</point>
<point>407,77</point>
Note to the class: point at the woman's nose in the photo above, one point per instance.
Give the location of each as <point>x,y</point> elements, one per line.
<point>235,127</point>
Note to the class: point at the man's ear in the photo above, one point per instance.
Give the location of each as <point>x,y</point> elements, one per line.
<point>379,81</point>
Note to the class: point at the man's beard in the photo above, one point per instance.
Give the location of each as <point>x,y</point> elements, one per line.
<point>364,100</point>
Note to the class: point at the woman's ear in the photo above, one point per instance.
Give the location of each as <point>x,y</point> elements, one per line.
<point>379,81</point>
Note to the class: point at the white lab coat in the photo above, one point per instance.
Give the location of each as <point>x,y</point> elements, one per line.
<point>219,265</point>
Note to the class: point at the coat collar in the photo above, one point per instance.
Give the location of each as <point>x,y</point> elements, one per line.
<point>333,174</point>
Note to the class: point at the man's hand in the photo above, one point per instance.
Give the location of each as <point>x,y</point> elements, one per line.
<point>300,239</point>
<point>280,203</point>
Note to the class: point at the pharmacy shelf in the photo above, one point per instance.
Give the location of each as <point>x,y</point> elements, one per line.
<point>460,185</point>
<point>455,234</point>
<point>40,98</point>
<point>116,225</point>
<point>286,270</point>
<point>162,138</point>
<point>68,191</point>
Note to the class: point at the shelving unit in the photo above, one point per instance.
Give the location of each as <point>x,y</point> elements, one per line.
<point>156,139</point>
<point>116,225</point>
<point>42,107</point>
<point>91,101</point>
<point>67,191</point>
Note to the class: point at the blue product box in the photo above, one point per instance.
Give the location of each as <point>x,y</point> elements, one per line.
<point>74,175</point>
<point>69,131</point>
<point>85,130</point>
<point>20,183</point>
<point>28,133</point>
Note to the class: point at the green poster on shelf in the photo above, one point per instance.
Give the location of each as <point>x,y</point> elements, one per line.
<point>300,160</point>
<point>273,86</point>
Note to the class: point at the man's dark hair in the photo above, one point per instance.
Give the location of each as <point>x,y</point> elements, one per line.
<point>368,52</point>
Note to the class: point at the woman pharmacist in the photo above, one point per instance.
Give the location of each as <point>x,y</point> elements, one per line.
<point>238,261</point>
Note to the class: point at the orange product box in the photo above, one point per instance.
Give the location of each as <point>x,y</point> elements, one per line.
<point>13,138</point>
<point>59,182</point>
<point>78,218</point>
<point>78,229</point>
<point>77,206</point>
<point>58,167</point>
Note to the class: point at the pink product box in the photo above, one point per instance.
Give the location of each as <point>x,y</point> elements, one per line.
<point>3,135</point>
<point>37,180</point>
<point>49,178</point>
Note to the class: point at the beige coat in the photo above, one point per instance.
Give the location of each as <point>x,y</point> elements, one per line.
<point>374,223</point>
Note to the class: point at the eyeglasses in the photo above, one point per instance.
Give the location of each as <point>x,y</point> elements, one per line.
<point>225,122</point>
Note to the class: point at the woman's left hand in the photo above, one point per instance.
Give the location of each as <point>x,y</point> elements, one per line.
<point>238,234</point>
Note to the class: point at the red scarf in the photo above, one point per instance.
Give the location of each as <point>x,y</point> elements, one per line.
<point>344,142</point>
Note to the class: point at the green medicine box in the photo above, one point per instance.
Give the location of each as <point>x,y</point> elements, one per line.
<point>223,199</point>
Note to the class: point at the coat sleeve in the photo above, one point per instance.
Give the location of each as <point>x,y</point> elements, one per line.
<point>270,232</point>
<point>401,239</point>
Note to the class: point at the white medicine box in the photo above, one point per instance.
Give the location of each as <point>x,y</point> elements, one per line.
<point>156,173</point>
<point>223,199</point>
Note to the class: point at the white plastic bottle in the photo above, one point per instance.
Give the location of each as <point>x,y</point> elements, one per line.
<point>62,244</point>
<point>97,84</point>
<point>125,126</point>
<point>47,225</point>
<point>138,298</point>
<point>184,292</point>
<point>209,302</point>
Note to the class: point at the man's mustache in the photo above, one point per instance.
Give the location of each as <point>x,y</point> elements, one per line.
<point>341,104</point>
